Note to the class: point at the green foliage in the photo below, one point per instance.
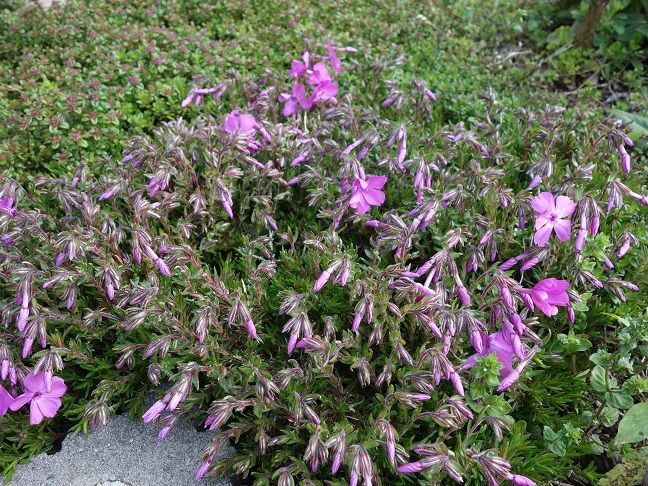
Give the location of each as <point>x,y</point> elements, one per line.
<point>612,73</point>
<point>77,83</point>
<point>634,425</point>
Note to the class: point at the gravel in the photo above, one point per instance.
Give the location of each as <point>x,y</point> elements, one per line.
<point>123,453</point>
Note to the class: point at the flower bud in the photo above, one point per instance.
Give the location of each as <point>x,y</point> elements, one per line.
<point>464,297</point>
<point>625,159</point>
<point>518,480</point>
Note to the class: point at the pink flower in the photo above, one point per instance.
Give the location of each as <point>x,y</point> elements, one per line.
<point>154,411</point>
<point>323,278</point>
<point>241,123</point>
<point>325,91</point>
<point>298,68</point>
<point>296,100</point>
<point>5,401</point>
<point>191,98</point>
<point>196,95</point>
<point>204,467</point>
<point>43,403</point>
<point>463,294</point>
<point>335,61</point>
<point>411,467</point>
<point>324,87</point>
<point>625,159</point>
<point>505,348</point>
<point>251,329</point>
<point>319,75</point>
<point>367,192</point>
<point>6,206</point>
<point>550,216</point>
<point>535,182</point>
<point>244,125</point>
<point>502,347</point>
<point>549,294</point>
<point>519,480</point>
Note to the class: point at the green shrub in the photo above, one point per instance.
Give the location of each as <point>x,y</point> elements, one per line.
<point>185,254</point>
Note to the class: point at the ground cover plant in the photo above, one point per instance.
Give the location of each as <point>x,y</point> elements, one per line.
<point>343,270</point>
<point>77,81</point>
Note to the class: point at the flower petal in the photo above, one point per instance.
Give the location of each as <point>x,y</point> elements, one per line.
<point>20,400</point>
<point>356,199</point>
<point>560,285</point>
<point>5,400</point>
<point>305,103</point>
<point>374,197</point>
<point>48,406</point>
<point>546,308</point>
<point>471,361</point>
<point>362,207</point>
<point>290,108</point>
<point>247,123</point>
<point>35,414</point>
<point>564,206</point>
<point>542,235</point>
<point>35,382</point>
<point>231,122</point>
<point>377,182</point>
<point>543,203</point>
<point>561,299</point>
<point>541,221</point>
<point>563,229</point>
<point>58,387</point>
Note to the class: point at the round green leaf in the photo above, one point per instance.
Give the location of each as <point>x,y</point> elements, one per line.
<point>634,425</point>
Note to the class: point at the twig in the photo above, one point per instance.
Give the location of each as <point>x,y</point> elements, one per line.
<point>510,56</point>
<point>555,53</point>
<point>12,88</point>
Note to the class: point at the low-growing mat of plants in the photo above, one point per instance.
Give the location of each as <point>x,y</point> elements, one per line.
<point>362,242</point>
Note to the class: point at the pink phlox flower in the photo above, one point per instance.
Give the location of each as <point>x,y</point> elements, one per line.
<point>298,68</point>
<point>7,370</point>
<point>155,410</point>
<point>192,98</point>
<point>519,480</point>
<point>324,87</point>
<point>639,197</point>
<point>5,401</point>
<point>319,74</point>
<point>502,346</point>
<point>332,56</point>
<point>412,467</point>
<point>243,124</point>
<point>535,182</point>
<point>552,215</point>
<point>43,404</point>
<point>515,374</point>
<point>295,101</point>
<point>6,206</point>
<point>367,192</point>
<point>625,158</point>
<point>196,95</point>
<point>204,467</point>
<point>549,294</point>
<point>325,91</point>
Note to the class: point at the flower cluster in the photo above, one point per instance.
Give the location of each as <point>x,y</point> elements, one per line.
<point>317,77</point>
<point>42,391</point>
<point>392,262</point>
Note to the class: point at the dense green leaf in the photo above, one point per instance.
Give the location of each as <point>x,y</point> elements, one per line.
<point>633,427</point>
